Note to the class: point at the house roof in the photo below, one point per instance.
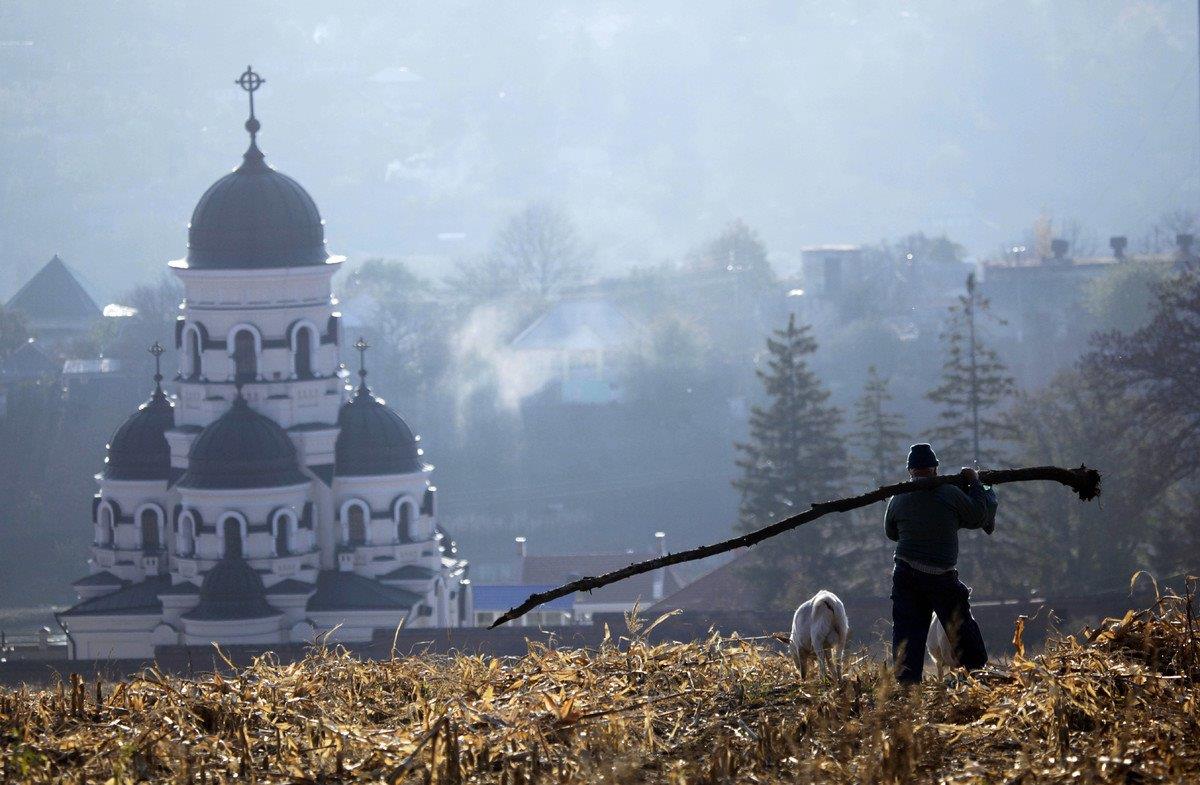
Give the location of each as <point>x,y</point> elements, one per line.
<point>559,569</point>
<point>501,598</point>
<point>346,591</point>
<point>727,588</point>
<point>579,324</point>
<point>134,599</point>
<point>27,362</point>
<point>103,578</point>
<point>54,296</point>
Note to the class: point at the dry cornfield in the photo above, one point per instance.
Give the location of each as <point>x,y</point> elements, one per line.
<point>1112,704</point>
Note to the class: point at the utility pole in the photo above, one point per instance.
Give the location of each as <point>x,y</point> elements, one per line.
<point>974,372</point>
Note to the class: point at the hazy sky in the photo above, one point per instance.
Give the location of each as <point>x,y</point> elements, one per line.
<point>417,126</point>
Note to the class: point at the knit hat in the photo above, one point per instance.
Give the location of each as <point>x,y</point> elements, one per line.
<point>921,456</point>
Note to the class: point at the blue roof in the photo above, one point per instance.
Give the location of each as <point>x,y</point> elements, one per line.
<point>501,598</point>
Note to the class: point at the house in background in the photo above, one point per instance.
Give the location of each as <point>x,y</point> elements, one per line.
<point>640,591</point>
<point>582,347</point>
<point>55,304</point>
<point>492,600</point>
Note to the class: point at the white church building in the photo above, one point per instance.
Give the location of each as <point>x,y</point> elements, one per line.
<point>266,502</point>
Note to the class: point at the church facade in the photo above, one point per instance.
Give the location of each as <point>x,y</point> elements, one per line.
<point>269,501</point>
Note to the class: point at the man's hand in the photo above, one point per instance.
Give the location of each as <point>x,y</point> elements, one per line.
<point>969,474</point>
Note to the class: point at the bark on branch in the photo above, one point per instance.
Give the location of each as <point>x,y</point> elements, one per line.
<point>1084,481</point>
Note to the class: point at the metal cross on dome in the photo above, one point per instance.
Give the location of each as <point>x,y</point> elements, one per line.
<point>157,350</point>
<point>250,81</point>
<point>362,346</point>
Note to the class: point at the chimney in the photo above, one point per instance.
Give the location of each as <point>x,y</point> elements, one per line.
<point>660,540</point>
<point>1059,249</point>
<point>1118,244</point>
<point>520,541</point>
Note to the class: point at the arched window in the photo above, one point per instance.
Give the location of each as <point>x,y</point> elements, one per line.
<point>107,535</point>
<point>304,341</point>
<point>187,534</point>
<point>356,525</point>
<point>151,533</point>
<point>404,522</point>
<point>231,527</point>
<point>245,356</point>
<point>193,353</point>
<point>283,524</point>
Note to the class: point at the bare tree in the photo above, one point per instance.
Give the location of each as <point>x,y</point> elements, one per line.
<point>541,250</point>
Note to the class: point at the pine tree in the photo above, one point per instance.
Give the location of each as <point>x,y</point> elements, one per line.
<point>974,386</point>
<point>794,457</point>
<point>878,439</point>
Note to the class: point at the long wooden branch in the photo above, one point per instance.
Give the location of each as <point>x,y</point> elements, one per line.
<point>1084,481</point>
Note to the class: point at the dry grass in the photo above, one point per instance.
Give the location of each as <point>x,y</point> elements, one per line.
<point>1117,704</point>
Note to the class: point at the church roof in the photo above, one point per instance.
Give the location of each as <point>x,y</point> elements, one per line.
<point>242,449</point>
<point>409,572</point>
<point>255,217</point>
<point>374,439</point>
<point>231,590</point>
<point>139,450</point>
<point>347,591</point>
<point>133,600</point>
<point>103,578</point>
<point>54,297</point>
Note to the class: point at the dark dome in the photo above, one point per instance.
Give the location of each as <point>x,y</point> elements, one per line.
<point>373,439</point>
<point>255,217</point>
<point>242,449</point>
<point>231,590</point>
<point>139,449</point>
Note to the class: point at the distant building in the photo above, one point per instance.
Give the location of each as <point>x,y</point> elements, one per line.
<point>728,588</point>
<point>829,269</point>
<point>639,591</point>
<point>492,600</point>
<point>1039,303</point>
<point>265,503</point>
<point>581,348</point>
<point>27,364</point>
<point>55,305</point>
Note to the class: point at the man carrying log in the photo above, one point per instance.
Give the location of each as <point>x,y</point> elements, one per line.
<point>924,525</point>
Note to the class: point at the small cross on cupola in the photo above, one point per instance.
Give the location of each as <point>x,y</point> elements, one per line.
<point>157,350</point>
<point>250,81</point>
<point>362,346</point>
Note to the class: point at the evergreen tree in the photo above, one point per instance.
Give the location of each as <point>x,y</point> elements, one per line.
<point>878,439</point>
<point>794,457</point>
<point>974,385</point>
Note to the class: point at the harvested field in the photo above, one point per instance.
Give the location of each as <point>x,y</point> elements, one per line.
<point>1114,704</point>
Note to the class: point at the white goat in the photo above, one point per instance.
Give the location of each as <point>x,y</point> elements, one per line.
<point>820,628</point>
<point>939,648</point>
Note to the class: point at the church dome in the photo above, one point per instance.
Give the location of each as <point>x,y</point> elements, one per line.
<point>139,449</point>
<point>231,590</point>
<point>255,218</point>
<point>374,439</point>
<point>242,449</point>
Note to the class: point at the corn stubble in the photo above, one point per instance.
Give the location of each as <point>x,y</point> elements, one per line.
<point>1113,704</point>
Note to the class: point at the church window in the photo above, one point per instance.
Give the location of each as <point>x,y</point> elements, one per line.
<point>193,350</point>
<point>404,521</point>
<point>245,356</point>
<point>304,353</point>
<point>106,525</point>
<point>232,530</point>
<point>151,541</point>
<point>356,525</point>
<point>187,534</point>
<point>283,532</point>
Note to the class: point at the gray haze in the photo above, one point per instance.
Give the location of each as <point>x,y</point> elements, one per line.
<point>652,124</point>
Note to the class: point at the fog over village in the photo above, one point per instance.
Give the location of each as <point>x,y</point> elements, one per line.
<point>569,233</point>
<point>436,306</point>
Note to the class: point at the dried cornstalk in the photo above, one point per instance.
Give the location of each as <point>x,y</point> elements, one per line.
<point>1084,481</point>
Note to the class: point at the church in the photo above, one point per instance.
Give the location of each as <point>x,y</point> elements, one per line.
<point>268,501</point>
